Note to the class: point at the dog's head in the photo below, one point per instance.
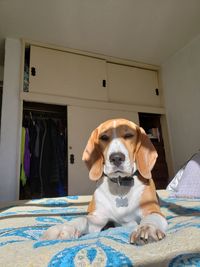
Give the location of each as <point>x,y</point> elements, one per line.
<point>118,148</point>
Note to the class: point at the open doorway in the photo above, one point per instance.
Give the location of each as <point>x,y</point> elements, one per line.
<point>152,125</point>
<point>43,151</point>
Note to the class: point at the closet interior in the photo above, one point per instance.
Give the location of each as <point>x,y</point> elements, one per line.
<point>43,151</point>
<point>152,125</point>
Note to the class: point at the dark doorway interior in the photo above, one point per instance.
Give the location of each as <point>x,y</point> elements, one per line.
<point>43,151</point>
<point>152,126</point>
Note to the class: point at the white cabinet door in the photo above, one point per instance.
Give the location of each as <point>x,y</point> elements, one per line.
<point>132,85</point>
<point>81,122</point>
<point>66,74</point>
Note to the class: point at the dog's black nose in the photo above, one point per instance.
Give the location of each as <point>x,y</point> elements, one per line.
<point>117,158</point>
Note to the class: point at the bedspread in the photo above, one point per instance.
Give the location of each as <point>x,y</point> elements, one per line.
<point>22,224</point>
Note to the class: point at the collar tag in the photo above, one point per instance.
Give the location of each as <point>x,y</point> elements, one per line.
<point>121,202</point>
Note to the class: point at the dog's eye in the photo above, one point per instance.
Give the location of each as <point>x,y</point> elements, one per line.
<point>104,137</point>
<point>128,136</point>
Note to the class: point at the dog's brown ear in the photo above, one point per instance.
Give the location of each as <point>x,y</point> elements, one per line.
<point>93,157</point>
<point>146,154</point>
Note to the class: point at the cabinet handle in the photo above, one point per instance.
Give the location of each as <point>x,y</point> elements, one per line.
<point>33,71</point>
<point>104,83</point>
<point>157,91</point>
<point>71,158</point>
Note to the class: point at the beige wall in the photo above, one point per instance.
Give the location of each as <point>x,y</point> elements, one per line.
<point>11,118</point>
<point>181,83</point>
<point>9,142</point>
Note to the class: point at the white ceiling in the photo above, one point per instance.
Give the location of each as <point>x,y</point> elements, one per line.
<point>148,31</point>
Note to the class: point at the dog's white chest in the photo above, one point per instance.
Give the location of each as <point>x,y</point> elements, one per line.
<point>121,206</point>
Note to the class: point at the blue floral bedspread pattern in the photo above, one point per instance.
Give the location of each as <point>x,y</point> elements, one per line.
<point>22,224</point>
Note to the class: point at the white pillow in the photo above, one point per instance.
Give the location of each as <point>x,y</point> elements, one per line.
<point>189,185</point>
<point>173,185</point>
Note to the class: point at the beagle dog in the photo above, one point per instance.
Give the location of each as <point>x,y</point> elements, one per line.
<point>120,157</point>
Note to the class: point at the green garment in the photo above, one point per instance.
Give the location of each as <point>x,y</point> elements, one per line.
<point>23,177</point>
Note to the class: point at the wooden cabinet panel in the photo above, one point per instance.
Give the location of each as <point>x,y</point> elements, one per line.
<point>66,74</point>
<point>86,119</point>
<point>132,85</point>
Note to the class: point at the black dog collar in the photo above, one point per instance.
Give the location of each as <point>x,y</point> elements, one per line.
<point>123,181</point>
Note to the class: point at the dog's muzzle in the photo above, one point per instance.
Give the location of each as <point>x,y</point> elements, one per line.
<point>117,158</point>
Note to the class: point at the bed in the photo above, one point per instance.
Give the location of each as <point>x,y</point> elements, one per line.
<point>22,224</point>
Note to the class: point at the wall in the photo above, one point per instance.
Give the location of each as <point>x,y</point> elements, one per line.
<point>9,146</point>
<point>11,120</point>
<point>181,83</point>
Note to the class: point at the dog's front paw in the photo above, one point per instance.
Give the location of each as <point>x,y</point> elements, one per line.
<point>146,234</point>
<point>61,231</point>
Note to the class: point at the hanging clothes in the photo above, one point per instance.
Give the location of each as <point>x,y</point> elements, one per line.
<point>36,133</point>
<point>47,149</point>
<point>52,165</point>
<point>27,157</point>
<point>23,177</point>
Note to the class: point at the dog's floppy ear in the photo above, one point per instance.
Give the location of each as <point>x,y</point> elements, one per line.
<point>93,157</point>
<point>146,154</point>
